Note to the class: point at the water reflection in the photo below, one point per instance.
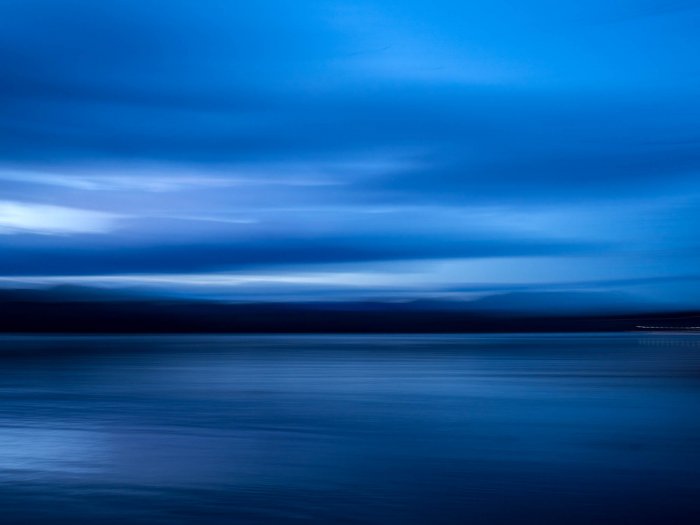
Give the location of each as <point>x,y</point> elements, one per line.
<point>327,429</point>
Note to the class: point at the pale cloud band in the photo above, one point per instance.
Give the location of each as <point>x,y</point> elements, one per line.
<point>43,219</point>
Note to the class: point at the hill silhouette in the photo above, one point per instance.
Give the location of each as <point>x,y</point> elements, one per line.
<point>87,310</point>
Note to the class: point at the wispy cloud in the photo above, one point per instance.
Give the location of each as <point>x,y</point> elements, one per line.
<point>173,177</point>
<point>20,217</point>
<point>167,180</point>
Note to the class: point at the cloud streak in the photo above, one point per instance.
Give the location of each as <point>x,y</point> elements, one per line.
<point>41,219</point>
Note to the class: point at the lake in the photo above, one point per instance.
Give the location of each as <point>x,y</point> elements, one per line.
<point>409,429</point>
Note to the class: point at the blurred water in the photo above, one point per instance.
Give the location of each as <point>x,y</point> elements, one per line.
<point>350,429</point>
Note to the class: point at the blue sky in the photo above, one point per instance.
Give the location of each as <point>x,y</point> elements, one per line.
<point>352,149</point>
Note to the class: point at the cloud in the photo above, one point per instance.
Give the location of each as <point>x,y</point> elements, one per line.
<point>120,253</point>
<point>218,83</point>
<point>164,177</point>
<point>19,217</point>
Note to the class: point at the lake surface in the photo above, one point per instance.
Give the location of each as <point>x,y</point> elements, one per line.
<point>474,429</point>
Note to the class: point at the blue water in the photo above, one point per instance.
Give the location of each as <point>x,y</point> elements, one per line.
<point>561,429</point>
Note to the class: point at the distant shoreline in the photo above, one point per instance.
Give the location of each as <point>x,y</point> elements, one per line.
<point>51,312</point>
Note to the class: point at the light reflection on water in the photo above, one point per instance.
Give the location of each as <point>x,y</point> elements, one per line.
<point>350,429</point>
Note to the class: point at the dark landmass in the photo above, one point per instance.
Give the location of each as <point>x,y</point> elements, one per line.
<point>91,311</point>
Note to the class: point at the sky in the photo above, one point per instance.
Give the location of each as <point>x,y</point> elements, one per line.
<point>326,149</point>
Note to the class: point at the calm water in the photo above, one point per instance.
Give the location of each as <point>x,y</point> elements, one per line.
<point>350,429</point>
